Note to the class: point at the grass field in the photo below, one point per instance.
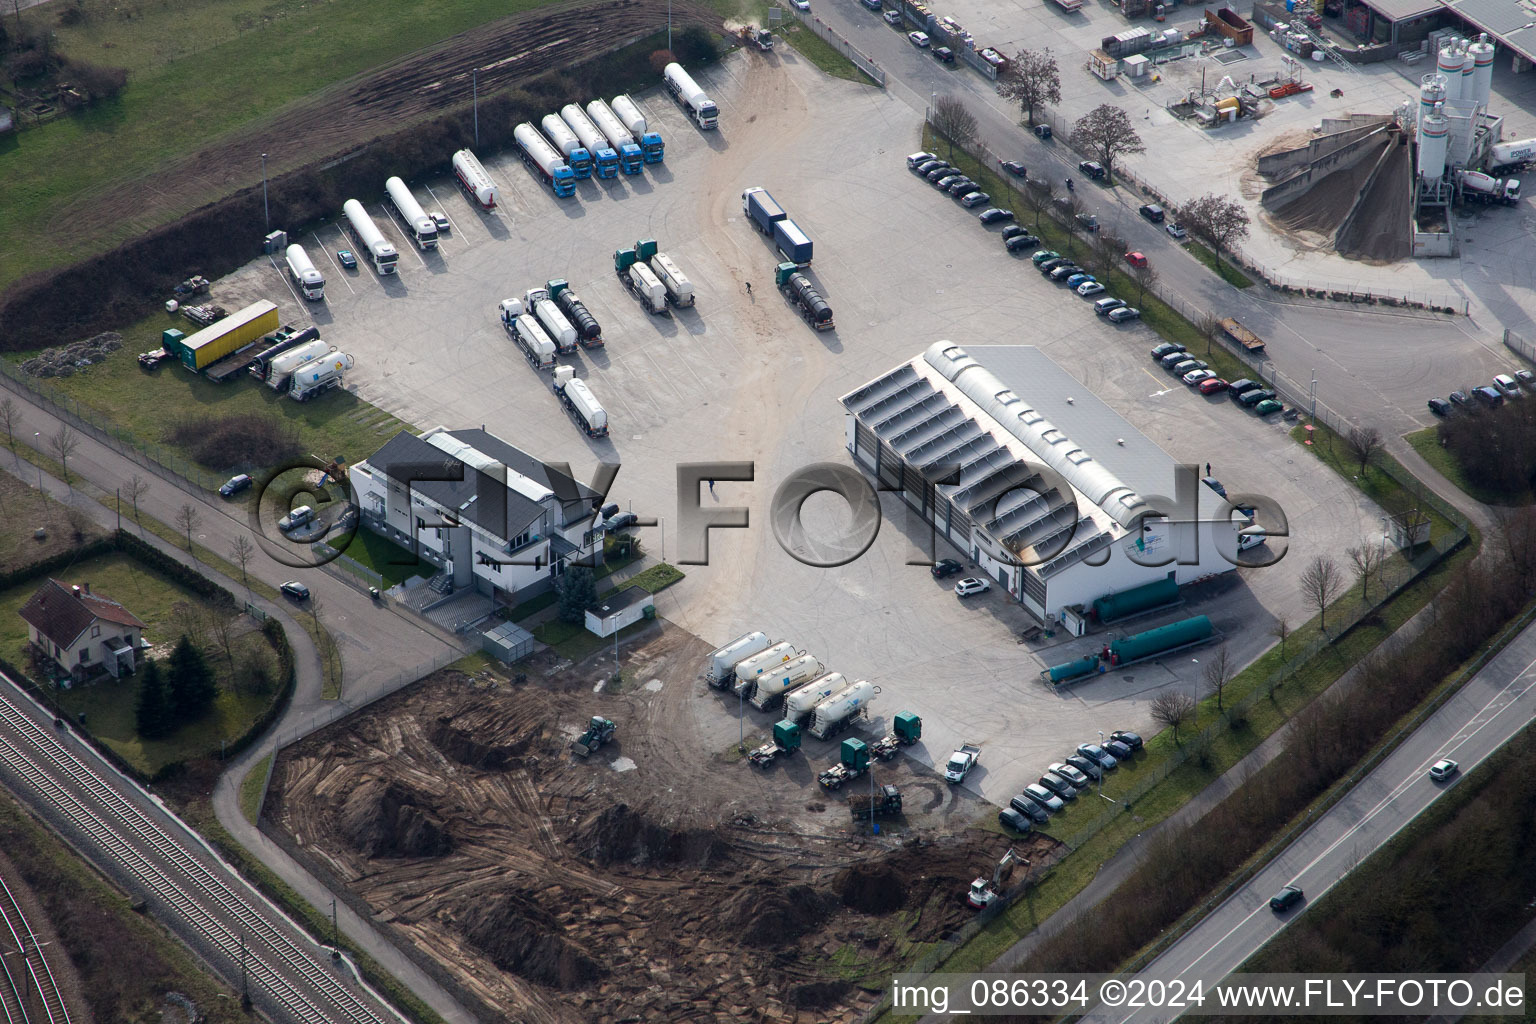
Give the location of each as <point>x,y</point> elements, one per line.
<point>252,788</point>
<point>24,509</point>
<point>385,557</point>
<point>1220,267</point>
<point>1427,443</point>
<point>820,53</point>
<point>109,705</point>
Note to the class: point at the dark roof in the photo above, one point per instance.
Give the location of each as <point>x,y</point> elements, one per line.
<point>474,496</point>
<point>61,615</point>
<point>576,498</point>
<point>623,599</point>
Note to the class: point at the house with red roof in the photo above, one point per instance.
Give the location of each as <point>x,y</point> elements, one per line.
<point>85,634</point>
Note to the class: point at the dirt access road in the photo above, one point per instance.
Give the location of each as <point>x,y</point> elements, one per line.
<point>349,114</point>
<point>656,880</point>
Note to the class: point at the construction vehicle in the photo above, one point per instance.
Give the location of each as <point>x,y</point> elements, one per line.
<point>690,97</point>
<point>195,285</point>
<point>642,283</point>
<point>599,731</point>
<point>1477,187</point>
<point>721,670</point>
<point>588,331</point>
<point>883,802</point>
<point>961,762</point>
<point>786,737</point>
<point>854,763</point>
<point>760,38</point>
<point>907,730</point>
<point>808,302</point>
<point>984,890</point>
<point>205,314</point>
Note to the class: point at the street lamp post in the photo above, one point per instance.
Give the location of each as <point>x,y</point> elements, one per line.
<point>266,211</point>
<point>475,86</point>
<point>38,434</point>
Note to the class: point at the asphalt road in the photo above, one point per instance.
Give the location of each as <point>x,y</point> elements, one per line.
<point>1491,708</point>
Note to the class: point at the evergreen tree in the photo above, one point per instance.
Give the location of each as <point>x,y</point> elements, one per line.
<point>153,712</point>
<point>577,592</point>
<point>191,682</point>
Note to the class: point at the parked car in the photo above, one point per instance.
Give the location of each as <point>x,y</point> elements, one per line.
<point>1048,265</point>
<point>1152,212</point>
<point>1088,288</point>
<point>1071,774</point>
<point>930,165</point>
<point>1058,785</point>
<point>346,259</point>
<point>1076,279</point>
<point>937,173</point>
<point>1187,365</point>
<point>1135,259</point>
<point>1013,231</point>
<point>972,585</point>
<point>1064,271</point>
<point>1268,407</point>
<point>295,519</point>
<point>1167,348</point>
<point>1092,168</point>
<point>964,186</point>
<point>1130,739</point>
<point>1021,243</point>
<point>1285,899</point>
<point>1253,398</point>
<point>1440,407</point>
<point>1010,818</point>
<point>234,485</point>
<point>916,160</point>
<point>801,5</point>
<point>1119,751</point>
<point>1045,254</point>
<point>295,590</point>
<point>1443,769</point>
<point>1014,168</point>
<point>1177,231</point>
<point>1098,755</point>
<point>1488,395</point>
<point>1031,810</point>
<point>944,54</point>
<point>622,521</point>
<point>440,221</point>
<point>873,5</point>
<point>971,199</point>
<point>1508,385</point>
<point>1104,305</point>
<point>949,179</point>
<point>1173,359</point>
<point>1086,766</point>
<point>995,215</point>
<point>1526,377</point>
<point>1044,797</point>
<point>1243,386</point>
<point>1199,376</point>
<point>919,39</point>
<point>945,567</point>
<point>892,17</point>
<point>1124,313</point>
<point>1212,386</point>
<point>1460,398</point>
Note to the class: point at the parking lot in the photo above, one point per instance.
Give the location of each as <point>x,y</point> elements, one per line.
<point>741,377</point>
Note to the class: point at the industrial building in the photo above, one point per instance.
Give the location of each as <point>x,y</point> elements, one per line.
<point>490,516</point>
<point>1049,491</point>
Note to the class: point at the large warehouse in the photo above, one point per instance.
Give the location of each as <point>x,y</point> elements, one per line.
<point>1049,491</point>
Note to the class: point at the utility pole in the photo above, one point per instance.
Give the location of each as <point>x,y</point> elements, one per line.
<point>245,980</point>
<point>475,86</point>
<point>669,25</point>
<point>266,211</point>
<point>119,493</point>
<point>335,941</point>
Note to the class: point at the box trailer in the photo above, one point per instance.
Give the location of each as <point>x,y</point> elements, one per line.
<point>201,350</point>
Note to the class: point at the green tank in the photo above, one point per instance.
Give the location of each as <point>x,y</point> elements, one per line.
<point>1138,599</point>
<point>1163,638</point>
<point>1072,669</point>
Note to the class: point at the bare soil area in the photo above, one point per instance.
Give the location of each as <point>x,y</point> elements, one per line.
<point>656,880</point>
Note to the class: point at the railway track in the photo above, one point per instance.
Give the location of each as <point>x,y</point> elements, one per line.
<point>288,974</point>
<point>35,976</point>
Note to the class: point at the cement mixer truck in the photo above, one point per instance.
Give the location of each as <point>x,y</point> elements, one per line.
<point>628,112</point>
<point>720,667</point>
<point>560,330</point>
<point>771,687</point>
<point>1477,187</point>
<point>631,159</point>
<point>841,710</point>
<point>318,376</point>
<point>543,158</point>
<point>565,140</point>
<point>690,97</point>
<point>473,180</point>
<point>605,162</point>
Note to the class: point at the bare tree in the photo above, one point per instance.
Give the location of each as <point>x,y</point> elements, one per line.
<point>1281,631</point>
<point>1039,193</point>
<point>1145,277</point>
<point>187,518</point>
<point>1031,80</point>
<point>135,489</point>
<point>1321,582</point>
<point>1363,445</point>
<point>1219,670</point>
<point>1173,709</point>
<point>63,443</point>
<point>1221,221</point>
<point>1516,537</point>
<point>1108,250</point>
<point>1367,560</point>
<point>243,551</point>
<point>220,626</point>
<point>10,415</point>
<point>1107,130</point>
<point>954,120</point>
<point>1071,208</point>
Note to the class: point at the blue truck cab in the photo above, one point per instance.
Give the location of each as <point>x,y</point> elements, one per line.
<point>580,162</point>
<point>605,163</point>
<point>631,160</point>
<point>564,182</point>
<point>651,145</point>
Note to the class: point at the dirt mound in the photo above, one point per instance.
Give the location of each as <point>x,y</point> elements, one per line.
<point>769,915</point>
<point>1380,228</point>
<point>619,834</point>
<point>818,993</point>
<point>387,819</point>
<point>871,888</point>
<point>468,744</point>
<point>521,937</point>
<point>1323,207</point>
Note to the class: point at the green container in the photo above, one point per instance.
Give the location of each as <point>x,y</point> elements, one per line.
<point>1137,599</point>
<point>1072,669</point>
<point>649,611</point>
<point>645,248</point>
<point>1163,638</point>
<point>787,735</point>
<point>555,288</point>
<point>855,754</point>
<point>908,727</point>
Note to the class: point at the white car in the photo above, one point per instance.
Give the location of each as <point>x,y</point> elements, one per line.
<point>1176,230</point>
<point>892,17</point>
<point>1443,769</point>
<point>295,519</point>
<point>1088,288</point>
<point>1071,774</point>
<point>1196,376</point>
<point>1508,386</point>
<point>972,585</point>
<point>801,5</point>
<point>919,39</point>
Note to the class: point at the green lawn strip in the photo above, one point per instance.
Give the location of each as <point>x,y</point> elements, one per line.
<point>658,577</point>
<point>1378,486</point>
<point>199,814</point>
<point>575,643</point>
<point>253,787</point>
<point>819,52</point>
<point>1427,443</point>
<point>391,561</point>
<point>1222,269</point>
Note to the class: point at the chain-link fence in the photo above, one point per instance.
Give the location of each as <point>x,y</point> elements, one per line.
<point>861,60</point>
<point>1520,346</point>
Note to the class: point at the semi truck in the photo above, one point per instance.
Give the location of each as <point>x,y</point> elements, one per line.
<point>543,158</point>
<point>280,369</point>
<point>369,238</point>
<point>627,111</point>
<point>772,686</point>
<point>906,730</point>
<point>559,328</point>
<point>576,155</point>
<point>605,162</point>
<point>720,668</point>
<point>641,282</point>
<point>853,761</point>
<point>423,229</point>
<point>310,282</point>
<point>1242,335</point>
<point>801,702</point>
<point>318,376</point>
<point>786,737</point>
<point>579,401</point>
<point>690,97</point>
<point>473,180</point>
<point>841,710</point>
<point>760,207</point>
<point>224,336</point>
<point>791,242</point>
<point>1512,154</point>
<point>679,288</point>
<point>631,159</point>
<point>1477,187</point>
<point>588,331</point>
<point>285,339</point>
<point>748,669</point>
<point>799,290</point>
<point>528,335</point>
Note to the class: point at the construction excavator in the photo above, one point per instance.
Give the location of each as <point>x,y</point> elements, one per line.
<point>983,890</point>
<point>599,731</point>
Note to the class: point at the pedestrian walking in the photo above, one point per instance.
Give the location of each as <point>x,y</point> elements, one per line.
<point>1207,469</point>
<point>749,287</point>
<point>711,487</point>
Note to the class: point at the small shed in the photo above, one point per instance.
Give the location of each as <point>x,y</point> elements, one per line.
<point>507,642</point>
<point>616,611</point>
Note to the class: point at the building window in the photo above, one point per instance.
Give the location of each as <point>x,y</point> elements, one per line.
<point>85,655</point>
<point>95,632</point>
